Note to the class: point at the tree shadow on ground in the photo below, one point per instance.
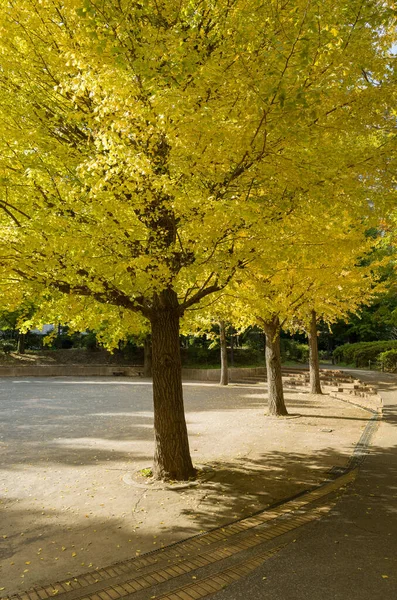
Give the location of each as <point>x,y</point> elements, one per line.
<point>234,490</point>
<point>240,488</point>
<point>102,424</point>
<point>59,547</point>
<point>77,440</point>
<point>237,490</point>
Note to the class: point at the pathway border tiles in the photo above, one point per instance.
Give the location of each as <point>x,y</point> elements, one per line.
<point>217,582</point>
<point>151,570</point>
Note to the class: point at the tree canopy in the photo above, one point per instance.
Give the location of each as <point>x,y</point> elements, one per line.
<point>148,148</point>
<point>142,140</point>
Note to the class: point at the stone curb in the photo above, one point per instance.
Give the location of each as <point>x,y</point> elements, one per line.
<point>373,403</point>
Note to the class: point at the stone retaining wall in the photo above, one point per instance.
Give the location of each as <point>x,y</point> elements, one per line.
<point>215,374</point>
<point>69,371</point>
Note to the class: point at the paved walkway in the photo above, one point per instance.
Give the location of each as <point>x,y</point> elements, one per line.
<point>352,553</point>
<point>285,552</point>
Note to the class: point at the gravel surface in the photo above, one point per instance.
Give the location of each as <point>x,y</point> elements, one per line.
<point>70,449</point>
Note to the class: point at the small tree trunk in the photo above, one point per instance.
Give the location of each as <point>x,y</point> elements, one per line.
<point>147,357</point>
<point>172,456</point>
<point>314,363</point>
<point>273,367</point>
<point>224,370</point>
<point>21,343</point>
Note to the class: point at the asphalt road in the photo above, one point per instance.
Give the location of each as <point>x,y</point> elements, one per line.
<point>352,553</point>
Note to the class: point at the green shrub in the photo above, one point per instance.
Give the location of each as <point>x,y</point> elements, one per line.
<point>248,356</point>
<point>89,342</point>
<point>388,360</point>
<point>294,351</point>
<point>201,356</point>
<point>362,353</point>
<point>59,342</point>
<point>7,347</point>
<point>198,355</point>
<point>302,352</point>
<point>338,353</point>
<point>33,341</point>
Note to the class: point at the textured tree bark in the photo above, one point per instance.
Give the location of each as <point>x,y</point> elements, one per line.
<point>21,343</point>
<point>276,404</point>
<point>224,369</point>
<point>172,455</point>
<point>314,363</point>
<point>147,357</point>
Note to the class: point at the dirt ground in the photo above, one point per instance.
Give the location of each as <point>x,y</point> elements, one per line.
<point>71,497</point>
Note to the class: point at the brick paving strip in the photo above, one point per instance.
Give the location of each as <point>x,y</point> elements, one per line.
<point>203,564</point>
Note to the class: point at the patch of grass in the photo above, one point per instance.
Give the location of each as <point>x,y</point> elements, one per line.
<point>146,472</point>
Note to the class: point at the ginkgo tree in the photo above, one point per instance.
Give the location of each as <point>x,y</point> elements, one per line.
<point>142,144</point>
<point>321,275</point>
<point>212,319</point>
<point>342,292</point>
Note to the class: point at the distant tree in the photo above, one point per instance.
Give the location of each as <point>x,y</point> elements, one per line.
<point>12,319</point>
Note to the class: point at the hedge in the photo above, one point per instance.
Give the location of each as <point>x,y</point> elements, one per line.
<point>197,355</point>
<point>361,353</point>
<point>388,360</point>
<point>294,351</point>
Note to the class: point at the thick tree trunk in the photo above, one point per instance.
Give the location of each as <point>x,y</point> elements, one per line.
<point>21,343</point>
<point>224,369</point>
<point>147,357</point>
<point>172,456</point>
<point>314,363</point>
<point>273,367</point>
